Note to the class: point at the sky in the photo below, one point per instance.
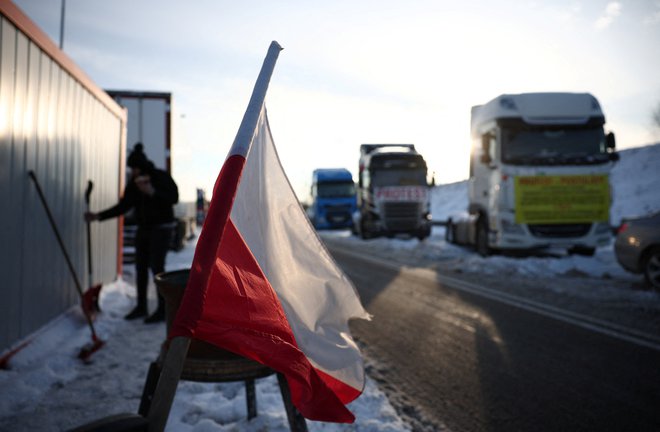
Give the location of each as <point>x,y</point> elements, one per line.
<point>361,71</point>
<point>46,388</point>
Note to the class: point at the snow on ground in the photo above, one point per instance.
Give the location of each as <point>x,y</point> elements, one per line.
<point>48,389</point>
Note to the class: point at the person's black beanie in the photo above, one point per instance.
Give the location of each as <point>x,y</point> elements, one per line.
<point>137,158</point>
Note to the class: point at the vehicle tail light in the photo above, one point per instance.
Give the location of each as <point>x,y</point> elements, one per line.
<point>622,228</point>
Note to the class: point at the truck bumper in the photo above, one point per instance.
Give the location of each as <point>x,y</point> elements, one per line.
<point>334,222</point>
<point>520,236</point>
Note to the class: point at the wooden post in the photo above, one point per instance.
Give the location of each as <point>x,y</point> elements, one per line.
<point>297,422</point>
<point>251,399</point>
<point>149,388</point>
<point>161,403</point>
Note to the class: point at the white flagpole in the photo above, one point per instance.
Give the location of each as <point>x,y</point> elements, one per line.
<point>243,140</point>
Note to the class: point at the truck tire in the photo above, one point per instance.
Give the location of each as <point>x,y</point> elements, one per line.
<point>423,234</point>
<point>481,243</point>
<point>582,250</point>
<point>364,233</point>
<point>450,235</point>
<point>651,268</point>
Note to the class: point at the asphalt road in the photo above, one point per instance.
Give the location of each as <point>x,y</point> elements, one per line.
<point>450,359</point>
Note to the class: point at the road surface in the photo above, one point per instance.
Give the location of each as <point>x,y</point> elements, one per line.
<point>455,358</point>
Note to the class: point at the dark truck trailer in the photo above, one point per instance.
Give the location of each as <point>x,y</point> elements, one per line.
<point>150,123</point>
<point>393,195</point>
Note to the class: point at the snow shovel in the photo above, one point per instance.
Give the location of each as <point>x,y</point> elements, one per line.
<point>96,343</point>
<point>90,298</point>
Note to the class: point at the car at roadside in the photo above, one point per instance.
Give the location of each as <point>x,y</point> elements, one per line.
<point>637,247</point>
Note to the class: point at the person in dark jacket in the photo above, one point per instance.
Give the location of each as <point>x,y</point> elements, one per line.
<point>152,193</point>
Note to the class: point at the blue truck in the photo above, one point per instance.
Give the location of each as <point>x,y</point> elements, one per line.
<point>333,198</point>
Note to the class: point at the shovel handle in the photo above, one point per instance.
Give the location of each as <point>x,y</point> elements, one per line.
<point>53,225</point>
<point>88,192</point>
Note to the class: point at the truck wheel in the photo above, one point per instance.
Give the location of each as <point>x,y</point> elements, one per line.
<point>364,233</point>
<point>651,267</point>
<point>423,234</point>
<point>582,250</point>
<point>481,244</point>
<point>449,232</point>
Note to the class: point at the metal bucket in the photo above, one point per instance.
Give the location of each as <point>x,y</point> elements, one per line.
<point>205,362</point>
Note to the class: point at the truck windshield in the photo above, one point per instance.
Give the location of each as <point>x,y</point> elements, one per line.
<point>335,190</point>
<point>553,146</point>
<point>398,177</point>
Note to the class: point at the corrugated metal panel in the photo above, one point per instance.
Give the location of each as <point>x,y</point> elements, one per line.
<point>10,318</point>
<point>57,124</point>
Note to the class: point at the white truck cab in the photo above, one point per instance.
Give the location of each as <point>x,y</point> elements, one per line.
<point>539,174</point>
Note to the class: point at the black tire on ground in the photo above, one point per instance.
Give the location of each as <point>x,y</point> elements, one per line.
<point>449,232</point>
<point>651,268</point>
<point>481,243</point>
<point>423,234</point>
<point>582,250</point>
<point>364,233</point>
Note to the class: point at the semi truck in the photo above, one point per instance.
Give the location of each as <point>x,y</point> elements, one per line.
<point>539,175</point>
<point>393,192</point>
<point>333,198</point>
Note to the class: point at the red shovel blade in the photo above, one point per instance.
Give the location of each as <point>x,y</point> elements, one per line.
<point>4,360</point>
<point>89,349</point>
<point>90,300</point>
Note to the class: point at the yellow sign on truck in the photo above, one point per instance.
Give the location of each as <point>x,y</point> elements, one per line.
<point>562,199</point>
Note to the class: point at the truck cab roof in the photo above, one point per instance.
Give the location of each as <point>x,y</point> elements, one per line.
<point>386,148</point>
<point>539,109</point>
<point>331,174</point>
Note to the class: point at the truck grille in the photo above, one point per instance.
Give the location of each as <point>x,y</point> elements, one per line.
<point>559,231</point>
<point>401,216</point>
<point>338,214</point>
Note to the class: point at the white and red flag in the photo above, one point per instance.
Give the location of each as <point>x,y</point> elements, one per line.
<point>263,285</point>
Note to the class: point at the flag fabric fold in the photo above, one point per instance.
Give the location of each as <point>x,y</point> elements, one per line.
<point>263,285</point>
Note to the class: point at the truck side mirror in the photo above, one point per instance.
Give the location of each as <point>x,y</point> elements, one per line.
<point>610,141</point>
<point>432,182</point>
<point>611,145</point>
<point>485,149</point>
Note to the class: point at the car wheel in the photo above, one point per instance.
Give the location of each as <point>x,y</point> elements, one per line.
<point>651,267</point>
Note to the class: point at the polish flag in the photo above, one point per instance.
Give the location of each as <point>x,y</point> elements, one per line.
<point>263,285</point>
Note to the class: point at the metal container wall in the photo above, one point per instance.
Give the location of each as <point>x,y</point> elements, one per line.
<point>57,123</point>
